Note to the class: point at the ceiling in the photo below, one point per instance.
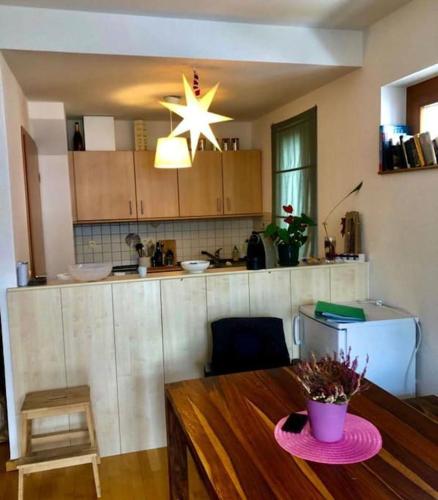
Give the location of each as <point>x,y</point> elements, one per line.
<point>343,14</point>
<point>131,87</point>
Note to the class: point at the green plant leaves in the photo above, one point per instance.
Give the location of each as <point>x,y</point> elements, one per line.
<point>293,234</point>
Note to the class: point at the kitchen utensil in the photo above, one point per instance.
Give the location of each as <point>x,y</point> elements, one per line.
<point>195,266</point>
<point>132,239</point>
<point>150,248</point>
<point>90,272</point>
<point>235,254</point>
<point>139,247</point>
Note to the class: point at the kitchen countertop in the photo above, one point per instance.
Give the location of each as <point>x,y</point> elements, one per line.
<point>56,283</point>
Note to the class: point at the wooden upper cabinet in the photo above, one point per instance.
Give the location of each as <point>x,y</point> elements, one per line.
<point>242,171</point>
<point>105,185</point>
<point>200,187</point>
<point>157,188</point>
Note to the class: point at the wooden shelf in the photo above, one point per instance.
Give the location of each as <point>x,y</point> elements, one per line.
<point>404,170</point>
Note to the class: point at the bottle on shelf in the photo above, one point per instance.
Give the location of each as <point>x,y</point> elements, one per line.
<point>169,257</point>
<point>158,255</point>
<point>235,254</point>
<point>78,141</point>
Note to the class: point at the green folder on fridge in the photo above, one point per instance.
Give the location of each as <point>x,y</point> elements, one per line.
<point>339,313</point>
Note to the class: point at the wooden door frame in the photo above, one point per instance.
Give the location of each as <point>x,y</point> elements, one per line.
<point>23,134</point>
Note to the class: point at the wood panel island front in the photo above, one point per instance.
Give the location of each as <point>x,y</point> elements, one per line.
<point>127,337</point>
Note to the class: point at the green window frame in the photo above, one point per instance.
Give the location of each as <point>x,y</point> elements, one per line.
<point>294,171</point>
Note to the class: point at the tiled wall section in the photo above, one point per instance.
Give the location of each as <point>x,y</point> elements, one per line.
<point>106,242</point>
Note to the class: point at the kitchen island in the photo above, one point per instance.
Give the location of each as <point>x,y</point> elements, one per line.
<point>126,337</point>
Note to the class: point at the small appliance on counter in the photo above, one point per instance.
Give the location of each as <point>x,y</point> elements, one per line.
<point>261,252</point>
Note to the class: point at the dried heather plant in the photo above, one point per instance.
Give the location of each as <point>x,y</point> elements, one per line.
<point>331,379</point>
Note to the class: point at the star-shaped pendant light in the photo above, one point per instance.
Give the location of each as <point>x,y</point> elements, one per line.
<point>196,117</point>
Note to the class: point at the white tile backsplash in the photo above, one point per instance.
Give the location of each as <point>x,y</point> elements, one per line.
<point>191,238</point>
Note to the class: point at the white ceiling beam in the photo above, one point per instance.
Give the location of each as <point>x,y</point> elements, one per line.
<point>54,30</point>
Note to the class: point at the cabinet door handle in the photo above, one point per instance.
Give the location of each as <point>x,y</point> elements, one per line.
<point>219,205</point>
<point>141,207</point>
<point>130,207</point>
<point>228,203</point>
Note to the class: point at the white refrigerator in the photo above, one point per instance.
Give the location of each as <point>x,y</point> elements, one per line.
<point>388,337</point>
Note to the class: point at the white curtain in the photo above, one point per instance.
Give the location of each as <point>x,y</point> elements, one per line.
<point>294,171</point>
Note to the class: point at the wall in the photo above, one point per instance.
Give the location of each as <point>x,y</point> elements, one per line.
<point>393,105</point>
<point>48,129</point>
<point>399,211</point>
<point>124,132</point>
<point>191,237</point>
<point>133,35</point>
<point>14,244</point>
<point>15,112</point>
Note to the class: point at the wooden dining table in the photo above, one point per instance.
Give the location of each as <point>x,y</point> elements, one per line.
<point>227,424</point>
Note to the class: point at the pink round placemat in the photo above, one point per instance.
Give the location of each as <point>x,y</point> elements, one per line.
<point>361,441</point>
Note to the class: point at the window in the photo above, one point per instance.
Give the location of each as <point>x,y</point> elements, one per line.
<point>294,171</point>
<point>429,119</point>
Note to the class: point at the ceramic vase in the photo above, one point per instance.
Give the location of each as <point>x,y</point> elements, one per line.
<point>326,420</point>
<point>288,255</point>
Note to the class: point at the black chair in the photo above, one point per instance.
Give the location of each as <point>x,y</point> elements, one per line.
<point>244,344</point>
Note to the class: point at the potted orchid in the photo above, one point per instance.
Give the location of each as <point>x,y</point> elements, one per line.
<point>289,239</point>
<point>329,383</point>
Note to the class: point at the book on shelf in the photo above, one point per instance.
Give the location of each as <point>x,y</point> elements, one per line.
<point>411,151</point>
<point>399,149</point>
<point>404,153</point>
<point>427,148</point>
<point>392,153</point>
<point>419,150</point>
<point>435,147</point>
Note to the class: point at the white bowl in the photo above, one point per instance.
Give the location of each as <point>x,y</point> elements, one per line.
<point>195,266</point>
<point>90,272</point>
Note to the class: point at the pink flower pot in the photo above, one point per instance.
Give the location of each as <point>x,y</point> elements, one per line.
<point>326,420</point>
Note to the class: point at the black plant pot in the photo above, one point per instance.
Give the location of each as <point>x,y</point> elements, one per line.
<point>288,255</point>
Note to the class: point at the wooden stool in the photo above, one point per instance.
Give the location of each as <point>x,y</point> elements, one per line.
<point>54,403</point>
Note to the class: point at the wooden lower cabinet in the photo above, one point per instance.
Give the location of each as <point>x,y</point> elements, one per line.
<point>37,345</point>
<point>270,295</point>
<point>90,356</point>
<point>308,286</point>
<point>227,296</point>
<point>126,340</point>
<point>140,375</point>
<point>184,316</point>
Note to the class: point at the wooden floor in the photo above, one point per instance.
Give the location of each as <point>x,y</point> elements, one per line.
<point>133,476</point>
